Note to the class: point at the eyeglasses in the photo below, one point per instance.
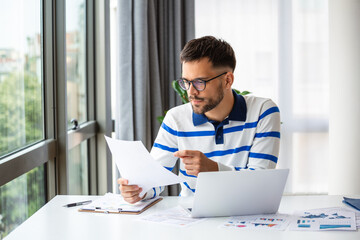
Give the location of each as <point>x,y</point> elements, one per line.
<point>198,84</point>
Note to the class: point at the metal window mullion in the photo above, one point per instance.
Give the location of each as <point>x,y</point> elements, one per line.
<point>285,64</point>
<point>102,92</point>
<point>48,88</point>
<point>23,161</point>
<point>84,132</point>
<point>285,68</point>
<point>61,96</point>
<point>90,72</point>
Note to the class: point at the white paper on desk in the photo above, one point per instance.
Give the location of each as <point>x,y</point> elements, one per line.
<point>176,216</point>
<point>136,164</point>
<point>269,222</point>
<point>324,219</point>
<point>115,202</point>
<point>357,214</point>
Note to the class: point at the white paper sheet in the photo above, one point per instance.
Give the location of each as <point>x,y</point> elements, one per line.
<point>324,219</point>
<point>136,164</point>
<point>176,216</point>
<point>269,222</point>
<point>111,202</point>
<point>357,214</point>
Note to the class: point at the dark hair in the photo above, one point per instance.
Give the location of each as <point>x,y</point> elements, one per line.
<point>219,52</point>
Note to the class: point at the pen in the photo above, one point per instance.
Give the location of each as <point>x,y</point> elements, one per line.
<point>77,203</point>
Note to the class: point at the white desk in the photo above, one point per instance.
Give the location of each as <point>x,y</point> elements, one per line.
<point>56,222</point>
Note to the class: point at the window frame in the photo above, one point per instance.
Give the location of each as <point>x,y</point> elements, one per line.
<point>53,149</point>
<point>22,161</point>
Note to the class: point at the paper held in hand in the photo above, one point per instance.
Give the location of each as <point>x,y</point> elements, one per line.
<point>136,164</point>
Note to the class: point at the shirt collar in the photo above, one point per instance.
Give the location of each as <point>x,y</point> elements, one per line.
<point>238,113</point>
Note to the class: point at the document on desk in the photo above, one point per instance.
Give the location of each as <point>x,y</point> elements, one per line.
<point>324,219</point>
<point>114,203</point>
<point>136,164</point>
<point>357,214</point>
<point>176,216</point>
<point>269,222</point>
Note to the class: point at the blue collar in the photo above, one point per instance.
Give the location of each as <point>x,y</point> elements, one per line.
<point>238,113</point>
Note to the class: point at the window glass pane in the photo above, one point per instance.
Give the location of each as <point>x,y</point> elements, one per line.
<point>20,198</point>
<point>76,60</point>
<point>78,170</point>
<point>254,39</point>
<point>21,108</point>
<point>113,53</point>
<point>310,62</point>
<point>311,154</point>
<point>266,35</point>
<point>113,64</point>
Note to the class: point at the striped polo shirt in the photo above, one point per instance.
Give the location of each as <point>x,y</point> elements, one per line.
<point>248,138</point>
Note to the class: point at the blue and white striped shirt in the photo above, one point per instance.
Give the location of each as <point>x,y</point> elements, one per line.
<point>249,138</point>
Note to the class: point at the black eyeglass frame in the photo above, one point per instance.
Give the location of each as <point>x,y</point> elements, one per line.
<point>196,80</point>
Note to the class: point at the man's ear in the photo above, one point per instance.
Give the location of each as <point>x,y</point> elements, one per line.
<point>229,80</point>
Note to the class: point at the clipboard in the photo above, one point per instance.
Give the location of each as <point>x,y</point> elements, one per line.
<point>114,203</point>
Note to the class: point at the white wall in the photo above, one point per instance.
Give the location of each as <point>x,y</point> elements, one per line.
<point>344,167</point>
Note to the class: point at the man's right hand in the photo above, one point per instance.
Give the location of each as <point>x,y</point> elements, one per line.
<point>130,193</point>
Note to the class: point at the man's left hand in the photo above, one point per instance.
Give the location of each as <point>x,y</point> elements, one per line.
<point>196,162</point>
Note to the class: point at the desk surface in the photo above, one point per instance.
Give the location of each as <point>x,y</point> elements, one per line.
<point>56,222</point>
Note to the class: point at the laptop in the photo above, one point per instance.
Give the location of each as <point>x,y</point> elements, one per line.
<point>231,193</point>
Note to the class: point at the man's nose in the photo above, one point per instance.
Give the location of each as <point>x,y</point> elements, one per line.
<point>192,90</point>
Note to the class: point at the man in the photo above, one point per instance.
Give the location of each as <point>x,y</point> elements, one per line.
<point>218,130</point>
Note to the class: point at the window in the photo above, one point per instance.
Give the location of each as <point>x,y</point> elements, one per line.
<point>21,198</point>
<point>21,102</point>
<point>31,116</point>
<point>77,100</point>
<point>75,60</point>
<point>282,53</point>
<point>47,77</point>
<point>78,171</point>
<point>21,106</point>
<point>113,56</point>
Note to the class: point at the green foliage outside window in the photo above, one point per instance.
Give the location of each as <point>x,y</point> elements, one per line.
<point>21,198</point>
<point>21,121</point>
<point>21,124</point>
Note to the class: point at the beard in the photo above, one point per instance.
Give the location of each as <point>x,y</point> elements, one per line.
<point>210,103</point>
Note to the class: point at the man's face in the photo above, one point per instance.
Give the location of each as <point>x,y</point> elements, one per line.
<point>208,99</point>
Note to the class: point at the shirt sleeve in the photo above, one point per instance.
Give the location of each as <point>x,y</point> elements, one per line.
<point>162,151</point>
<point>264,151</point>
